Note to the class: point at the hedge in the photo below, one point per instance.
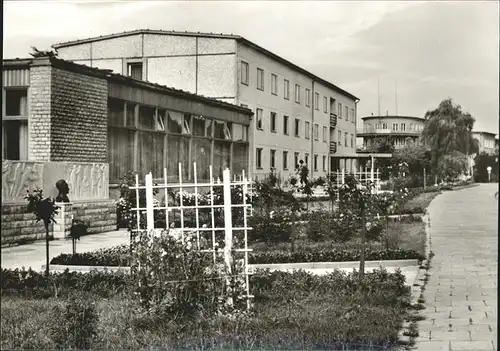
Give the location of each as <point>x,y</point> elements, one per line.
<point>120,254</point>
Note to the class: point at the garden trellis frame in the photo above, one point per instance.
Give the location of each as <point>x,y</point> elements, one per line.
<point>227,206</point>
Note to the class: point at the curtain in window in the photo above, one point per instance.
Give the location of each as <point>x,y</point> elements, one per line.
<point>120,152</point>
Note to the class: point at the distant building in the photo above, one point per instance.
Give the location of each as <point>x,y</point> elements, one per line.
<point>397,128</point>
<point>297,115</point>
<point>487,141</point>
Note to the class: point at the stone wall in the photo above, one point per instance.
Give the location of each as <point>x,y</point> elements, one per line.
<point>19,225</point>
<point>68,113</point>
<point>79,117</point>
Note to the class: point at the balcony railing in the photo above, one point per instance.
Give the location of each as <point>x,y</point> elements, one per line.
<point>333,120</point>
<point>386,131</point>
<point>333,147</point>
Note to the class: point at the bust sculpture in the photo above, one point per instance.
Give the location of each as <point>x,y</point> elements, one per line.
<point>63,189</point>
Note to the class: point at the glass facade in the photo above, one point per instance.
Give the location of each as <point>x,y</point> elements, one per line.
<point>163,138</point>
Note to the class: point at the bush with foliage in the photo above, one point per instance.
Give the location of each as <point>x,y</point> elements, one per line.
<point>117,256</point>
<point>75,326</point>
<point>32,284</point>
<point>329,255</point>
<point>324,225</point>
<point>173,279</point>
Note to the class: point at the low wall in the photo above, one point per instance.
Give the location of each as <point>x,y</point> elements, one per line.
<point>18,225</point>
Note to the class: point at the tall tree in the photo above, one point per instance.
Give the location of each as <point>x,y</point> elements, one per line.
<point>447,130</point>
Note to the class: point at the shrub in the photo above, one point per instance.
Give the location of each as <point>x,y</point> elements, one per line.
<point>76,325</point>
<point>174,279</point>
<point>324,225</point>
<point>329,255</point>
<point>274,227</point>
<point>31,284</point>
<point>117,256</point>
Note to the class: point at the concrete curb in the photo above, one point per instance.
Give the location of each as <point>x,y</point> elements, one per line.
<point>253,267</point>
<point>334,265</point>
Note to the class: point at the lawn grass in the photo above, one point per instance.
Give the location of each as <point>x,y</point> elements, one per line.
<point>422,200</point>
<point>408,235</point>
<point>290,312</point>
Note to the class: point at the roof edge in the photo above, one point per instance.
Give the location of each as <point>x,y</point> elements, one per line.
<point>392,116</point>
<point>211,35</point>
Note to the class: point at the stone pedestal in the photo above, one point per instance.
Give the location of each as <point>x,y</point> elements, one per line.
<point>64,219</point>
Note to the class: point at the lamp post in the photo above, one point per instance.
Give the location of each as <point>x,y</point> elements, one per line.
<point>489,173</point>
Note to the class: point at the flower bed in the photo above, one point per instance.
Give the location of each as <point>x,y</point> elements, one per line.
<point>119,256</point>
<point>290,311</point>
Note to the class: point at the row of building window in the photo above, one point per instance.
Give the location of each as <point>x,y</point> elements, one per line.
<point>286,128</point>
<point>346,139</point>
<point>285,164</point>
<point>335,108</point>
<point>412,127</point>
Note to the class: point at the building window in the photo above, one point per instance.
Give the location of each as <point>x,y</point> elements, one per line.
<point>315,162</point>
<point>15,125</point>
<point>306,159</point>
<point>339,140</point>
<point>273,122</point>
<point>384,125</point>
<point>244,72</point>
<point>346,139</point>
<point>258,158</point>
<point>324,163</point>
<point>308,97</point>
<point>316,101</point>
<point>285,159</point>
<point>273,158</point>
<point>340,109</point>
<point>324,134</point>
<point>286,89</point>
<point>259,119</point>
<point>316,131</point>
<point>260,79</point>
<point>297,127</point>
<point>297,93</point>
<point>285,125</point>
<point>134,70</point>
<point>325,104</point>
<point>352,140</point>
<point>346,109</point>
<point>353,116</point>
<point>403,127</point>
<point>296,160</point>
<point>306,130</point>
<point>274,84</point>
<point>395,127</point>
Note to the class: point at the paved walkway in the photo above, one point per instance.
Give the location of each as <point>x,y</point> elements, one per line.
<point>461,295</point>
<point>33,255</point>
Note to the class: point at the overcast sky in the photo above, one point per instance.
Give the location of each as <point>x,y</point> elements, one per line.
<point>434,50</point>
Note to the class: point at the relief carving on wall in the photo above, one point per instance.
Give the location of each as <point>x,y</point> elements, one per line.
<point>88,180</point>
<point>18,177</point>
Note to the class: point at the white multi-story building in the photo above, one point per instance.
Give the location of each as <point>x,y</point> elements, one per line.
<point>297,115</point>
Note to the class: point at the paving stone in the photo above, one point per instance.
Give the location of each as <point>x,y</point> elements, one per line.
<point>433,345</point>
<point>463,274</point>
<point>471,345</point>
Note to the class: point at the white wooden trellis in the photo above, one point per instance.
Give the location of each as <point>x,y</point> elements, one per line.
<point>364,177</point>
<point>227,206</point>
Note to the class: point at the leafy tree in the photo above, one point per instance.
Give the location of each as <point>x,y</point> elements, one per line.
<point>45,210</point>
<point>358,200</point>
<point>415,156</point>
<point>481,162</point>
<point>448,129</point>
<point>451,166</point>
